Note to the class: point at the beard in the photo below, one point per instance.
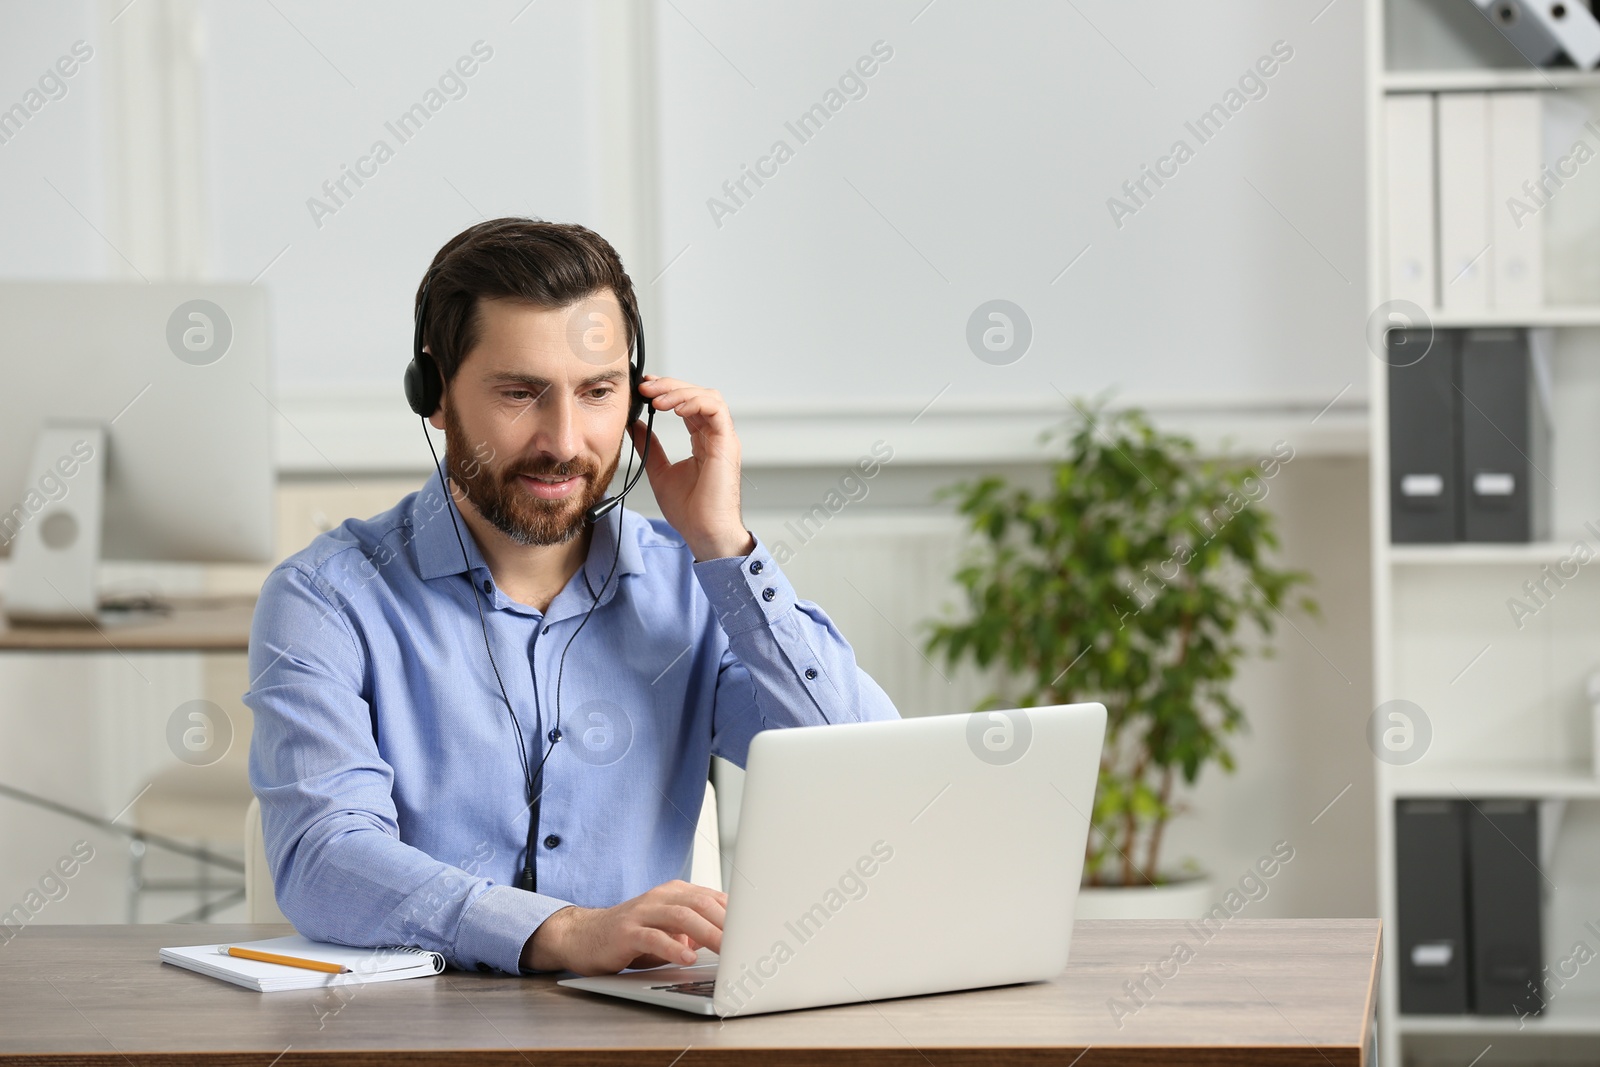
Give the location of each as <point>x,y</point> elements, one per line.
<point>500,497</point>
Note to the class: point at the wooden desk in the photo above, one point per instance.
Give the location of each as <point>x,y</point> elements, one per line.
<point>1297,992</point>
<point>195,624</point>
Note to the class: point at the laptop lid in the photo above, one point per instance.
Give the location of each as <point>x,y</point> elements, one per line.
<point>888,859</point>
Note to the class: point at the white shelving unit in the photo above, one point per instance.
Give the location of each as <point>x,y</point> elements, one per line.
<point>1457,81</point>
<point>1546,316</point>
<point>1581,1019</point>
<point>1484,781</point>
<point>1504,691</point>
<point>1535,553</point>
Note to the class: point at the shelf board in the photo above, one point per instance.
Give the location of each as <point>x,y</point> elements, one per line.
<point>1487,79</point>
<point>1580,1016</point>
<point>1551,315</point>
<point>1477,555</point>
<point>1553,783</point>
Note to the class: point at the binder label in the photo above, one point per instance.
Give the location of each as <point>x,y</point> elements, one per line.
<point>1422,485</point>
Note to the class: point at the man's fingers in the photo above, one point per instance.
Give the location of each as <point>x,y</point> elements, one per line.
<point>713,916</point>
<point>712,903</point>
<point>669,923</point>
<point>694,892</point>
<point>716,911</point>
<point>709,406</point>
<point>671,398</point>
<point>653,941</point>
<point>674,397</point>
<point>693,910</point>
<point>684,919</point>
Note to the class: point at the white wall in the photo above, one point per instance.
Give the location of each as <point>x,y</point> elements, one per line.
<point>977,165</point>
<point>41,232</point>
<point>287,112</point>
<point>988,146</point>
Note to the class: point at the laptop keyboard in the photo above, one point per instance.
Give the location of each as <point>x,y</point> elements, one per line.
<point>704,988</point>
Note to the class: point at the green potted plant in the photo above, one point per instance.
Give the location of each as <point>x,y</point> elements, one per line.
<point>1130,582</point>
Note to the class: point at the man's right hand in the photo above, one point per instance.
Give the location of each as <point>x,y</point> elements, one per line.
<point>662,925</point>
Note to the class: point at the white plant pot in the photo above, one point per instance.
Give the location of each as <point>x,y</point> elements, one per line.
<point>1188,899</point>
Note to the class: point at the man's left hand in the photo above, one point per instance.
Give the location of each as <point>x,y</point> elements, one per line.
<point>699,495</point>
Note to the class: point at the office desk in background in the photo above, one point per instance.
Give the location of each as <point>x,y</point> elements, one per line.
<point>170,806</point>
<point>1292,991</point>
<point>195,624</point>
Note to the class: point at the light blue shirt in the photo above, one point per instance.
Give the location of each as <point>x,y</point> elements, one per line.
<point>393,801</point>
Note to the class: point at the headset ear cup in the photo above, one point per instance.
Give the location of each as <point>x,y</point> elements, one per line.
<point>636,409</point>
<point>422,385</point>
<point>636,370</point>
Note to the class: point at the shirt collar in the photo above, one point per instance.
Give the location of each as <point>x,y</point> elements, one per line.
<point>439,554</point>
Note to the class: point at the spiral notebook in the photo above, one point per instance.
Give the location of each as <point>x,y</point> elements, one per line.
<point>366,964</point>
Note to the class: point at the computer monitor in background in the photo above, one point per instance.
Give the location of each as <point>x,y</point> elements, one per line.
<point>134,424</point>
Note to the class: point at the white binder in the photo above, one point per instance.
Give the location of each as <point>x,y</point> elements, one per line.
<point>1515,154</point>
<point>1466,257</point>
<point>1408,123</point>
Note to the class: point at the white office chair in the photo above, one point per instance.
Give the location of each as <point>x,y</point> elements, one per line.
<point>261,903</point>
<point>201,806</point>
<point>260,899</point>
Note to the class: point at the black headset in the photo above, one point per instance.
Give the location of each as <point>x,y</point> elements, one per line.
<point>424,385</point>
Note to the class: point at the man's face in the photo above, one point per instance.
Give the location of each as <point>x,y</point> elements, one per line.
<point>534,416</point>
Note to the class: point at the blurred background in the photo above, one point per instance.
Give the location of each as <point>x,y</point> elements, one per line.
<point>936,157</point>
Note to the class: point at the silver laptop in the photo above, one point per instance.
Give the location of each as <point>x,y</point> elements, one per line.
<point>888,859</point>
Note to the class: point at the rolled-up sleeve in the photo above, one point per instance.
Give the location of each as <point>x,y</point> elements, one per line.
<point>339,868</point>
<point>786,663</point>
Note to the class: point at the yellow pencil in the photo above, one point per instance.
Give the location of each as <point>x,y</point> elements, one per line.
<point>288,961</point>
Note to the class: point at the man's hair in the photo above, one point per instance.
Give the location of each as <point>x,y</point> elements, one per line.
<point>546,264</point>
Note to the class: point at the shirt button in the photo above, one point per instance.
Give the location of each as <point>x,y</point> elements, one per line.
<point>488,586</point>
<point>768,593</point>
<point>755,568</point>
<point>545,630</point>
<point>811,672</point>
<point>554,736</point>
<point>552,841</point>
